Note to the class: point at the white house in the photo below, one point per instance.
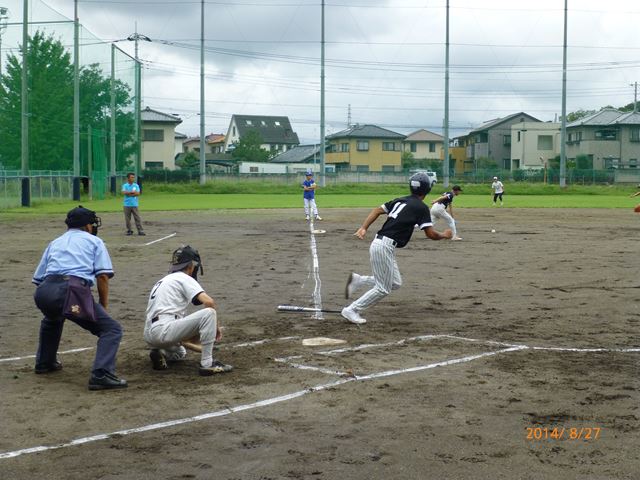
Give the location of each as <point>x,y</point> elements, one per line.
<point>276,132</point>
<point>158,139</point>
<point>533,144</point>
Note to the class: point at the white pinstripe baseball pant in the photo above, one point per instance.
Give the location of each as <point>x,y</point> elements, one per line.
<point>386,275</point>
<point>440,211</point>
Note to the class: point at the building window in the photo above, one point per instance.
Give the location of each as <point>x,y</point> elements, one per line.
<point>362,168</point>
<point>388,168</point>
<point>633,163</point>
<point>277,123</point>
<point>363,146</point>
<point>388,147</point>
<point>635,135</point>
<point>263,123</point>
<point>506,163</point>
<point>519,135</point>
<point>253,170</point>
<point>545,142</point>
<point>506,140</point>
<point>234,131</point>
<point>344,147</point>
<point>154,165</point>
<point>333,148</point>
<point>432,147</point>
<point>249,122</point>
<point>152,135</point>
<point>606,134</point>
<point>413,147</point>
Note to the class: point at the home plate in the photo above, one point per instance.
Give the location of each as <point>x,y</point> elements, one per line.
<point>322,341</point>
<point>319,231</point>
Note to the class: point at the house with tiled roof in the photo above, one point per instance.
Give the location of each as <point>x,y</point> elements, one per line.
<point>609,138</point>
<point>276,132</point>
<point>365,148</point>
<point>424,145</point>
<point>158,139</point>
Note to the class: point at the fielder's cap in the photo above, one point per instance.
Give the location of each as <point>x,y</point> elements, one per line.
<point>495,178</point>
<point>309,172</point>
<point>182,257</point>
<point>457,188</point>
<point>80,216</point>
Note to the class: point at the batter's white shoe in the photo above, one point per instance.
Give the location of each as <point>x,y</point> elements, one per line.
<point>353,316</point>
<point>318,217</point>
<point>307,218</point>
<point>456,238</point>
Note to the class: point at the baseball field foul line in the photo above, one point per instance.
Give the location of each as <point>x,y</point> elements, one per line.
<point>250,406</point>
<point>15,359</point>
<point>160,239</point>
<point>317,292</point>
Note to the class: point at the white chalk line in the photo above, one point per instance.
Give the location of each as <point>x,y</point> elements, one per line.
<point>160,239</point>
<point>237,345</point>
<point>250,406</point>
<point>317,291</point>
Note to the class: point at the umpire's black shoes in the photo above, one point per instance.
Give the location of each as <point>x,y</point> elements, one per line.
<point>106,381</point>
<point>129,232</point>
<point>216,367</point>
<point>48,367</point>
<point>158,360</point>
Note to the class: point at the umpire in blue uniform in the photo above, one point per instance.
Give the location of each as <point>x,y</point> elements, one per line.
<point>77,259</point>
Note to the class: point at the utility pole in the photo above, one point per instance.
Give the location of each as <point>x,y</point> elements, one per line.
<point>4,16</point>
<point>322,148</point>
<point>563,128</point>
<point>203,152</point>
<point>445,164</point>
<point>76,103</point>
<point>635,96</point>
<point>136,37</point>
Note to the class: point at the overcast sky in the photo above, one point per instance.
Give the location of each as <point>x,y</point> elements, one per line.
<point>384,58</point>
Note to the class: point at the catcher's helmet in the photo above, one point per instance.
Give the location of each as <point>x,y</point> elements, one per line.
<point>183,256</point>
<point>420,184</point>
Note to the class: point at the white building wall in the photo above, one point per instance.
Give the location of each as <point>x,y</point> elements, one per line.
<point>525,143</point>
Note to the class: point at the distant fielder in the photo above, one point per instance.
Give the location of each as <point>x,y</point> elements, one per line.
<point>309,196</point>
<point>440,206</point>
<point>402,216</point>
<point>498,190</point>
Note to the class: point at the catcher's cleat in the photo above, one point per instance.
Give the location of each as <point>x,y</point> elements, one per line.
<point>216,367</point>
<point>158,360</point>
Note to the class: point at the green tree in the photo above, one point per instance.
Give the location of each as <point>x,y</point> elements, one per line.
<point>248,148</point>
<point>578,114</point>
<point>190,160</point>
<point>50,108</point>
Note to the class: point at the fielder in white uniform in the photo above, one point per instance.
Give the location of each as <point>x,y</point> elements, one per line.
<point>498,190</point>
<point>166,324</point>
<point>402,215</point>
<point>439,209</point>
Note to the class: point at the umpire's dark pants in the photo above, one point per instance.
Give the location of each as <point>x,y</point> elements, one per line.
<point>50,296</point>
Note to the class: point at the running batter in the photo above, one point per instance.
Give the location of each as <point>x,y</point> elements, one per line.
<point>440,206</point>
<point>402,216</point>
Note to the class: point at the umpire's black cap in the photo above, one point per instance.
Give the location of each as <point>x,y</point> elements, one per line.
<point>80,216</point>
<point>182,257</point>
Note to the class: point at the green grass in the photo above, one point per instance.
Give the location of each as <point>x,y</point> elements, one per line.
<point>156,201</point>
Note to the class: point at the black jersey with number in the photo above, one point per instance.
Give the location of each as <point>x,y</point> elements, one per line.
<point>403,214</point>
<point>448,200</point>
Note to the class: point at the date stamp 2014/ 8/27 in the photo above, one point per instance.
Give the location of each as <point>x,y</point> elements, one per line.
<point>563,433</point>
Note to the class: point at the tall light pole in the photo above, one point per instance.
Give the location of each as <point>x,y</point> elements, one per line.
<point>4,16</point>
<point>203,153</point>
<point>76,103</point>
<point>136,37</point>
<point>24,134</point>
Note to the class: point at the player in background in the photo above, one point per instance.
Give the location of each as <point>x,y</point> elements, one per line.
<point>309,196</point>
<point>402,216</point>
<point>166,324</point>
<point>439,209</point>
<point>131,192</point>
<point>498,190</point>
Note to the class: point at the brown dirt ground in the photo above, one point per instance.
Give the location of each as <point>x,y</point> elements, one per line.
<point>547,278</point>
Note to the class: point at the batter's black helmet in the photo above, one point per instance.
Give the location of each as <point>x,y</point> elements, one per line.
<point>420,184</point>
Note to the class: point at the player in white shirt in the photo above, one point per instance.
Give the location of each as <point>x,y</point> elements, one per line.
<point>498,190</point>
<point>166,324</point>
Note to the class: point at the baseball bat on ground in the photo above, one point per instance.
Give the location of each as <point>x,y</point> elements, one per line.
<point>295,308</point>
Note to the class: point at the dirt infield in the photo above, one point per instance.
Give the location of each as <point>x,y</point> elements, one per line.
<point>442,382</point>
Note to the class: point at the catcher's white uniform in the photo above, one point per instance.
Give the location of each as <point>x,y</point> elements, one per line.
<point>166,324</point>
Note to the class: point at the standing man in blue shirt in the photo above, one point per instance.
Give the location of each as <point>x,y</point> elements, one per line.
<point>131,192</point>
<point>309,196</point>
<point>71,264</point>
